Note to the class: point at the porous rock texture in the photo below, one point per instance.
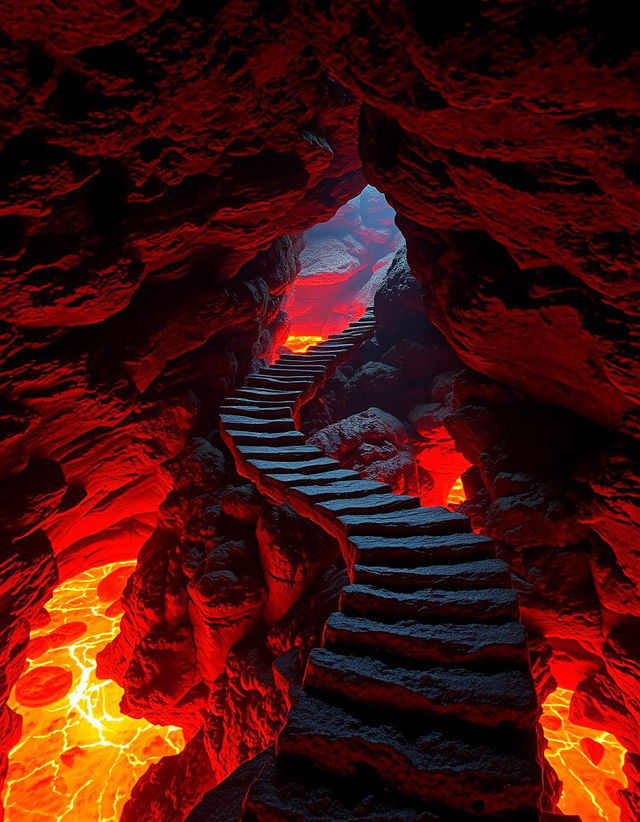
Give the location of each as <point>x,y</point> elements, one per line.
<point>157,163</point>
<point>154,157</point>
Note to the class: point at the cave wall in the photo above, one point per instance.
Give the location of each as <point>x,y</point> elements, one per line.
<point>505,136</point>
<point>157,163</point>
<point>154,158</point>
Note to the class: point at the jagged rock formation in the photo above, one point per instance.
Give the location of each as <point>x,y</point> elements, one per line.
<point>153,157</point>
<point>144,202</point>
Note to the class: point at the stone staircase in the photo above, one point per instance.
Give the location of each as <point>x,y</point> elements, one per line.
<point>420,704</point>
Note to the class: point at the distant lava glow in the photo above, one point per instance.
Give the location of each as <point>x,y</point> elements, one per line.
<point>299,343</point>
<point>589,763</point>
<point>79,756</point>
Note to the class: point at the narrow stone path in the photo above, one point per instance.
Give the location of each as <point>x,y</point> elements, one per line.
<point>420,704</point>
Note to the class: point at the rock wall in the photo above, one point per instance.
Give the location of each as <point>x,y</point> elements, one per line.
<point>154,157</point>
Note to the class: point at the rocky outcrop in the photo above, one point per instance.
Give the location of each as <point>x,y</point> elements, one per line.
<point>151,170</point>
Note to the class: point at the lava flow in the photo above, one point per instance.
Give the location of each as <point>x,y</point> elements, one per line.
<point>299,343</point>
<point>589,763</point>
<point>456,495</point>
<point>79,756</point>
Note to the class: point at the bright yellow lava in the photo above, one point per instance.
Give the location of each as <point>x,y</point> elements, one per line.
<point>299,344</point>
<point>456,494</point>
<point>590,784</point>
<point>79,756</point>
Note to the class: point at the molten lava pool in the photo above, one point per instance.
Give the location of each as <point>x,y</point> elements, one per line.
<point>299,343</point>
<point>589,763</point>
<point>79,756</point>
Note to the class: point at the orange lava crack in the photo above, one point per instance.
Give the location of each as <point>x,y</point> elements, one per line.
<point>78,757</point>
<point>589,763</point>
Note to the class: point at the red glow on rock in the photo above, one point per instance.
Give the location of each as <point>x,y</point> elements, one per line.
<point>589,763</point>
<point>79,756</point>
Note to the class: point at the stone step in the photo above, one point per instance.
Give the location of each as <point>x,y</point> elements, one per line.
<point>266,395</point>
<point>349,334</point>
<point>407,551</point>
<point>370,505</point>
<point>275,466</point>
<point>325,479</point>
<point>486,699</point>
<point>469,644</point>
<point>361,325</point>
<point>428,765</point>
<point>257,404</point>
<point>433,520</point>
<point>257,412</point>
<point>485,573</point>
<point>306,358</point>
<point>341,490</point>
<point>306,364</point>
<point>259,439</point>
<point>302,371</point>
<point>240,422</point>
<point>295,454</point>
<point>431,604</point>
<point>332,347</point>
<point>260,381</point>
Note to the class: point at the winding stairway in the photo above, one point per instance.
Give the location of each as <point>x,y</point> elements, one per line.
<point>420,704</point>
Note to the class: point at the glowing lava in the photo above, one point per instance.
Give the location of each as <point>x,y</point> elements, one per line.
<point>299,344</point>
<point>79,756</point>
<point>589,763</point>
<point>456,494</point>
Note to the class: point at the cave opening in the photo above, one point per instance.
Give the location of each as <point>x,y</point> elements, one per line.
<point>343,263</point>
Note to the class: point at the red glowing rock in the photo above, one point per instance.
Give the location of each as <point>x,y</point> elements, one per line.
<point>43,686</point>
<point>111,587</point>
<point>64,635</point>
